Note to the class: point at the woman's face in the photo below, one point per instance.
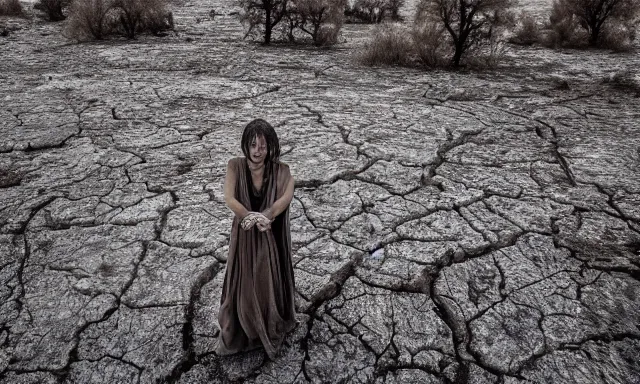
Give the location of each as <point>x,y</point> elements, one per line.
<point>258,149</point>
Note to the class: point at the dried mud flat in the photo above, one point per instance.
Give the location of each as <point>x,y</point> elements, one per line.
<point>447,227</point>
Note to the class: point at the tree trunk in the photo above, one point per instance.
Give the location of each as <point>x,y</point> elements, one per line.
<point>457,55</point>
<point>267,26</point>
<point>593,38</point>
<point>56,13</point>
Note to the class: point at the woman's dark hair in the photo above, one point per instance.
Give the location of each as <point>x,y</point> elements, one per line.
<point>260,127</point>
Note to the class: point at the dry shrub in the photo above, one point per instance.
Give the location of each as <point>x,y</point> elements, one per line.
<point>320,19</point>
<point>487,56</point>
<point>527,31</point>
<point>262,16</point>
<point>11,8</point>
<point>139,16</point>
<point>328,35</point>
<point>393,8</point>
<point>472,25</point>
<point>52,9</point>
<point>597,23</point>
<point>367,11</point>
<point>390,44</point>
<point>564,29</point>
<point>430,44</point>
<point>130,16</point>
<point>97,19</point>
<point>91,19</point>
<point>618,37</point>
<point>155,17</point>
<point>373,11</point>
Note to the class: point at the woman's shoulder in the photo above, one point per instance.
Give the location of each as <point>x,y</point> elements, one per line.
<point>282,165</point>
<point>283,169</point>
<point>236,160</point>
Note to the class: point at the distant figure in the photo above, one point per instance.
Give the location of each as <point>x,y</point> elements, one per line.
<point>257,302</point>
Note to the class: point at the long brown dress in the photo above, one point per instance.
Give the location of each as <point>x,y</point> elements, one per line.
<point>257,302</point>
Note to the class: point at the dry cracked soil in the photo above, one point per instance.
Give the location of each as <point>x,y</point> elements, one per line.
<point>448,227</point>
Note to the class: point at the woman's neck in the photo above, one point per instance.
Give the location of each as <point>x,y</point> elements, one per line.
<point>253,167</point>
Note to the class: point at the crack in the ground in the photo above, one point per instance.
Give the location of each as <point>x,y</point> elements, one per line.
<point>190,358</point>
<point>561,159</point>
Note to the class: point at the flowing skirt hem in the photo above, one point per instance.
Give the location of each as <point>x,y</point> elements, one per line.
<point>272,350</point>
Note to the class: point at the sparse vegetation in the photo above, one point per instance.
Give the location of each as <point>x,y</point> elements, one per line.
<point>97,19</point>
<point>131,16</point>
<point>430,45</point>
<point>438,37</point>
<point>11,8</point>
<point>320,19</point>
<point>390,44</point>
<point>393,7</point>
<point>373,11</point>
<point>618,36</point>
<point>262,16</point>
<point>156,18</point>
<point>88,19</point>
<point>527,31</point>
<point>596,23</point>
<point>444,31</point>
<point>52,9</point>
<point>471,24</point>
<point>563,29</point>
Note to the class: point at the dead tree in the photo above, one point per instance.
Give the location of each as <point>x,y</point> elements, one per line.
<point>593,14</point>
<point>53,9</point>
<point>314,15</point>
<point>264,14</point>
<point>470,23</point>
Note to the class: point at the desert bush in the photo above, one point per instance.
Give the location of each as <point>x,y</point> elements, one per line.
<point>130,16</point>
<point>11,8</point>
<point>262,16</point>
<point>471,24</point>
<point>430,44</point>
<point>328,35</point>
<point>390,44</point>
<point>489,55</point>
<point>576,22</point>
<point>527,31</point>
<point>137,16</point>
<point>156,18</point>
<point>97,19</point>
<point>393,8</point>
<point>367,11</point>
<point>52,9</point>
<point>563,29</point>
<point>618,36</point>
<point>91,19</point>
<point>320,19</point>
<point>373,11</point>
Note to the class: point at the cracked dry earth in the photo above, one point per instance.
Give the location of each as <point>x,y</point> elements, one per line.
<point>447,227</point>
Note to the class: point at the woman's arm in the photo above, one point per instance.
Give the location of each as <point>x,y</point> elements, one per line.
<point>229,193</point>
<point>282,203</point>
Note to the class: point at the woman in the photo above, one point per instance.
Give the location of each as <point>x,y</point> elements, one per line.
<point>257,303</point>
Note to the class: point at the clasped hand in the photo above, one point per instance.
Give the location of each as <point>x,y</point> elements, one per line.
<point>256,218</point>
